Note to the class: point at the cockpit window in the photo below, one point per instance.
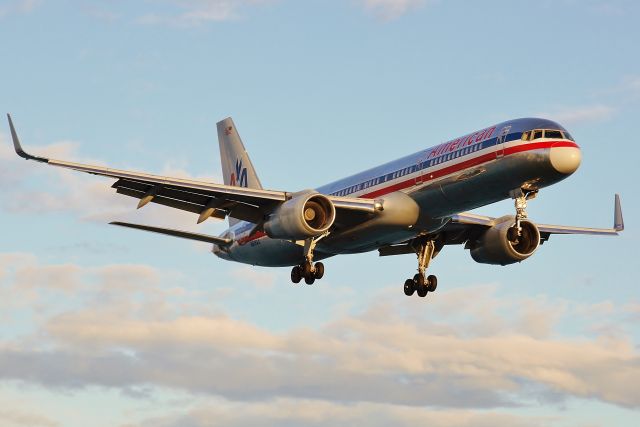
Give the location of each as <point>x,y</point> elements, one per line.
<point>556,134</point>
<point>530,135</point>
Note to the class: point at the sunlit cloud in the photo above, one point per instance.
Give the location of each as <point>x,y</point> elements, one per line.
<point>18,6</point>
<point>392,9</point>
<point>133,326</point>
<point>583,114</point>
<point>193,13</point>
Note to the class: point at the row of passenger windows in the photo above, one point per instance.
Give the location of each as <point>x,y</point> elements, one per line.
<point>545,133</point>
<point>455,154</point>
<point>406,171</point>
<point>376,181</point>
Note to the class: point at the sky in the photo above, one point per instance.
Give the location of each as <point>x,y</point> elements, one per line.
<point>104,326</point>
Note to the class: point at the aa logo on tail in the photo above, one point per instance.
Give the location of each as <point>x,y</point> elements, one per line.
<point>239,177</point>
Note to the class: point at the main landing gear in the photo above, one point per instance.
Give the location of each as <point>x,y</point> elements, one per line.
<point>420,283</point>
<point>308,270</point>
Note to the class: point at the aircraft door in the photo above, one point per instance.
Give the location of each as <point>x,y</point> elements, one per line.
<point>502,136</point>
<point>420,168</point>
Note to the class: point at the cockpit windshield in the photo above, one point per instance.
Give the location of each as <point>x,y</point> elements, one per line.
<point>546,133</point>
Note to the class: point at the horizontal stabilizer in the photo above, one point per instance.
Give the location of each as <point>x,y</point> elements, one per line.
<point>177,233</point>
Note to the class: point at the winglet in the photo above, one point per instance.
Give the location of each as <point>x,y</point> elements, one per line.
<point>18,147</point>
<point>618,221</point>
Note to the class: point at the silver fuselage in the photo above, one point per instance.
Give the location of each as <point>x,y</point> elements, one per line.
<point>421,191</point>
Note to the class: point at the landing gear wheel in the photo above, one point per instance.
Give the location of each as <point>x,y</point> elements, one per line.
<point>319,270</point>
<point>296,274</point>
<point>307,270</point>
<point>409,287</point>
<point>309,280</point>
<point>432,283</point>
<point>418,279</point>
<point>422,290</point>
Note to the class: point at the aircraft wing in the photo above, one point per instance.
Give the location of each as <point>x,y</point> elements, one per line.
<point>464,220</point>
<point>177,233</point>
<point>464,227</point>
<point>200,197</point>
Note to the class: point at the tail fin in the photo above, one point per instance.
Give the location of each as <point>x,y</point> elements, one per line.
<point>236,165</point>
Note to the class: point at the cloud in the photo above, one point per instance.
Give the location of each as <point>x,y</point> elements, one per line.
<point>193,13</point>
<point>584,114</point>
<point>132,326</point>
<point>317,413</point>
<point>392,9</point>
<point>18,6</point>
<point>14,418</point>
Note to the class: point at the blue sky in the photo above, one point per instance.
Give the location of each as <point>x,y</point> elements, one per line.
<point>109,327</point>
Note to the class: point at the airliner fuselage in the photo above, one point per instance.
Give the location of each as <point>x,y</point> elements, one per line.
<point>424,189</point>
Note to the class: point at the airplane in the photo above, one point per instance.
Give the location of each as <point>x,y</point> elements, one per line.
<point>413,205</point>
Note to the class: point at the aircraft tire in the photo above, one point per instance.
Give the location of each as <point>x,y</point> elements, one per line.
<point>432,283</point>
<point>296,274</point>
<point>422,291</point>
<point>306,270</point>
<point>418,279</point>
<point>309,280</point>
<point>409,287</point>
<point>319,270</point>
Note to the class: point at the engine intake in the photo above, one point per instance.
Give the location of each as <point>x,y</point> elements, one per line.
<point>307,214</point>
<point>500,246</point>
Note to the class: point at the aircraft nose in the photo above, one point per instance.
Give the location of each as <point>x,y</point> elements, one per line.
<point>565,159</point>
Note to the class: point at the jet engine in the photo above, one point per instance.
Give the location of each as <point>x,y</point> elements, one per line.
<point>307,214</point>
<point>501,244</point>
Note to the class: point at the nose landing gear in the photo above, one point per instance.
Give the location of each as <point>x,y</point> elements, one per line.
<point>520,197</point>
<point>422,284</point>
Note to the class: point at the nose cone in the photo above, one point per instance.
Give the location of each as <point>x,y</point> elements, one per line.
<point>565,159</point>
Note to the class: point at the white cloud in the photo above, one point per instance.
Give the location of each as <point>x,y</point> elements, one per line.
<point>318,413</point>
<point>392,9</point>
<point>192,13</point>
<point>134,328</point>
<point>573,115</point>
<point>14,418</point>
<point>18,6</point>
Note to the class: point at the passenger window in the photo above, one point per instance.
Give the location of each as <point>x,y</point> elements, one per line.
<point>553,134</point>
<point>537,134</point>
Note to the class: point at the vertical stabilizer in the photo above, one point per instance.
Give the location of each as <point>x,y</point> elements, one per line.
<point>237,168</point>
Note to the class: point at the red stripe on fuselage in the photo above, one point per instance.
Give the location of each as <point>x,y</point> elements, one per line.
<point>467,164</point>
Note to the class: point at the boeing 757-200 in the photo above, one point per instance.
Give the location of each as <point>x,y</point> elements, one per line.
<point>415,204</point>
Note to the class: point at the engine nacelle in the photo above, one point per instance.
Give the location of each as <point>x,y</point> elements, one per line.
<point>495,247</point>
<point>307,214</point>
